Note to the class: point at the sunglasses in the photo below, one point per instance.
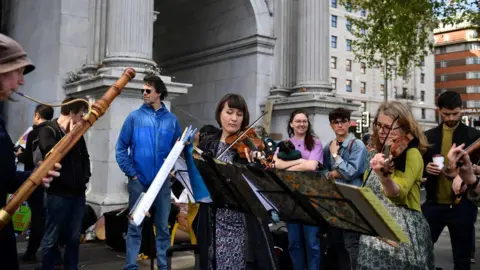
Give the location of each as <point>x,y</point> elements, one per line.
<point>146,90</point>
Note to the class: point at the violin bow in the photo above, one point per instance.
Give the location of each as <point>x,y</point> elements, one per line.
<point>383,147</point>
<point>242,134</point>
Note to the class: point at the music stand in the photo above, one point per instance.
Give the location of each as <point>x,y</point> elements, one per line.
<point>329,203</point>
<point>228,187</point>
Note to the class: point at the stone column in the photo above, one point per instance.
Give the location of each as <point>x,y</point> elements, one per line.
<point>285,48</point>
<point>313,45</point>
<point>129,33</point>
<point>97,18</point>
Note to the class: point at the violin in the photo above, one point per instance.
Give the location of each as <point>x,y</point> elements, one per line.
<point>393,150</point>
<point>248,141</point>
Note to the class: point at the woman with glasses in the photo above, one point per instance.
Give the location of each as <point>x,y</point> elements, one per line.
<point>399,191</point>
<point>301,135</point>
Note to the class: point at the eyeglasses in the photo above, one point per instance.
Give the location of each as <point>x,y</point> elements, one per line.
<point>146,90</point>
<point>336,122</point>
<point>385,128</point>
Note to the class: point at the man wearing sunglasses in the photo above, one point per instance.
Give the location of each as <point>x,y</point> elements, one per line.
<point>345,161</point>
<point>441,207</point>
<point>146,138</point>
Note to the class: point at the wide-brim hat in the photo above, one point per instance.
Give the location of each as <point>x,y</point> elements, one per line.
<point>12,56</point>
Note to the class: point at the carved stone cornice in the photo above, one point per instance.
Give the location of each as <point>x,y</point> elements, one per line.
<point>251,45</point>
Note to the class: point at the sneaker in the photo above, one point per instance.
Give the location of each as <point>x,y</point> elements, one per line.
<point>472,257</point>
<point>28,258</point>
<point>472,260</point>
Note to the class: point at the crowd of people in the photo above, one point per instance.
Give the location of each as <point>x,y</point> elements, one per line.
<point>227,238</point>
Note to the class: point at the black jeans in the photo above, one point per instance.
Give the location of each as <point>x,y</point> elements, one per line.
<point>8,248</point>
<point>460,223</point>
<point>37,225</point>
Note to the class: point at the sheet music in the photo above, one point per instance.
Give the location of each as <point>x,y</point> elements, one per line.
<point>147,200</point>
<point>265,202</point>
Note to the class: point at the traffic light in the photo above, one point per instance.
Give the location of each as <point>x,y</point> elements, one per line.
<point>359,126</point>
<point>366,120</point>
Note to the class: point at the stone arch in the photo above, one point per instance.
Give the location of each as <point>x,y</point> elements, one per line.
<point>218,47</point>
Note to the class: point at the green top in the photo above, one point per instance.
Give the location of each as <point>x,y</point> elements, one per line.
<point>410,180</point>
<point>444,190</point>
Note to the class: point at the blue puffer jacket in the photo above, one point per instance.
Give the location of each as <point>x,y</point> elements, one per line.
<point>150,136</point>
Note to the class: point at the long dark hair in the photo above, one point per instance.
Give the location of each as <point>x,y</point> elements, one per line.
<point>309,139</point>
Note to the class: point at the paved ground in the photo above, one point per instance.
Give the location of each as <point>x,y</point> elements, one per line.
<point>96,256</point>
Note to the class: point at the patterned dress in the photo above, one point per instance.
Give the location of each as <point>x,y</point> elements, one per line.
<point>418,255</point>
<point>229,244</point>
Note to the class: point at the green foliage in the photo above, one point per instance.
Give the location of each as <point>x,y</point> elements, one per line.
<point>400,32</point>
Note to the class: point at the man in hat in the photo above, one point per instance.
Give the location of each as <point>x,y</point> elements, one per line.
<point>13,65</point>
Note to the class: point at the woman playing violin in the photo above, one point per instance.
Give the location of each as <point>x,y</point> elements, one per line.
<point>395,178</point>
<point>229,239</point>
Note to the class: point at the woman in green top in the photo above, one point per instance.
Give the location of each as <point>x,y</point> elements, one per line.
<point>399,191</point>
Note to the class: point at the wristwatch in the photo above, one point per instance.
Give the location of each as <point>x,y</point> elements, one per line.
<point>334,155</point>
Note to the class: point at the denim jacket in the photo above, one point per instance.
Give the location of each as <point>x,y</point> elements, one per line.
<point>352,161</point>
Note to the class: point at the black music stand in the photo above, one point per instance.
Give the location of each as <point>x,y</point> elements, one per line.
<point>228,187</point>
<point>299,197</point>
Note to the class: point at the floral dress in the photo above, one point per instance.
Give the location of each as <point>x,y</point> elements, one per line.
<point>418,254</point>
<point>229,244</point>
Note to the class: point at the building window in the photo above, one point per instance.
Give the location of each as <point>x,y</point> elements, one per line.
<point>363,68</point>
<point>334,3</point>
<point>349,45</point>
<point>349,25</point>
<point>382,90</point>
<point>404,92</point>
<point>334,83</point>
<point>422,95</point>
<point>444,78</point>
<point>472,75</point>
<point>362,31</point>
<point>334,41</point>
<point>334,21</point>
<point>473,60</point>
<point>422,64</point>
<point>395,93</point>
<point>363,13</point>
<point>333,62</point>
<point>422,78</point>
<point>443,64</point>
<point>348,7</point>
<point>363,87</point>
<point>423,113</point>
<point>348,86</point>
<point>349,65</point>
<point>404,77</point>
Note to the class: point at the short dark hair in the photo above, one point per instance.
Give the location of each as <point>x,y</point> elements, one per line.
<point>339,113</point>
<point>449,100</point>
<point>44,111</point>
<point>158,84</point>
<point>234,101</point>
<point>74,107</point>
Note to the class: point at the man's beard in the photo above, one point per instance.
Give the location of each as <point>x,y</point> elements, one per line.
<point>451,123</point>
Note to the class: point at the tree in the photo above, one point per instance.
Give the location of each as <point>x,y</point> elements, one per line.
<point>401,31</point>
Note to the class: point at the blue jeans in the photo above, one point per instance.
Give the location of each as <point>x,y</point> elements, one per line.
<point>64,218</point>
<point>299,234</point>
<point>134,234</point>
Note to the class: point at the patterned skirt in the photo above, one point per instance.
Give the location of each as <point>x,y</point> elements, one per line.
<point>418,254</point>
<point>229,241</point>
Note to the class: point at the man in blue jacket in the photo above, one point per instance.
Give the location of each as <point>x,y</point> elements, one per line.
<point>147,137</point>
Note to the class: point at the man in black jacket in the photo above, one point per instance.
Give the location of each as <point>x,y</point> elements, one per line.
<point>441,208</point>
<point>66,196</point>
<point>42,114</point>
<point>13,65</point>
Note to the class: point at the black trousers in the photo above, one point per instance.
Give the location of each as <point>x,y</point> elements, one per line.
<point>460,223</point>
<point>8,248</point>
<point>37,225</point>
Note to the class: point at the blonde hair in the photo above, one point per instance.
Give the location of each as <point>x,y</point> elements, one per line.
<point>405,120</point>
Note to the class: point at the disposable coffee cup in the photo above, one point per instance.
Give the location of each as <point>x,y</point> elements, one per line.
<point>439,161</point>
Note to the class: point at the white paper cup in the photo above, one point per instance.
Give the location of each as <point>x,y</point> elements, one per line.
<point>439,161</point>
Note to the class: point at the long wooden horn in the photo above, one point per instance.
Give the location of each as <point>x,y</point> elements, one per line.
<point>63,147</point>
